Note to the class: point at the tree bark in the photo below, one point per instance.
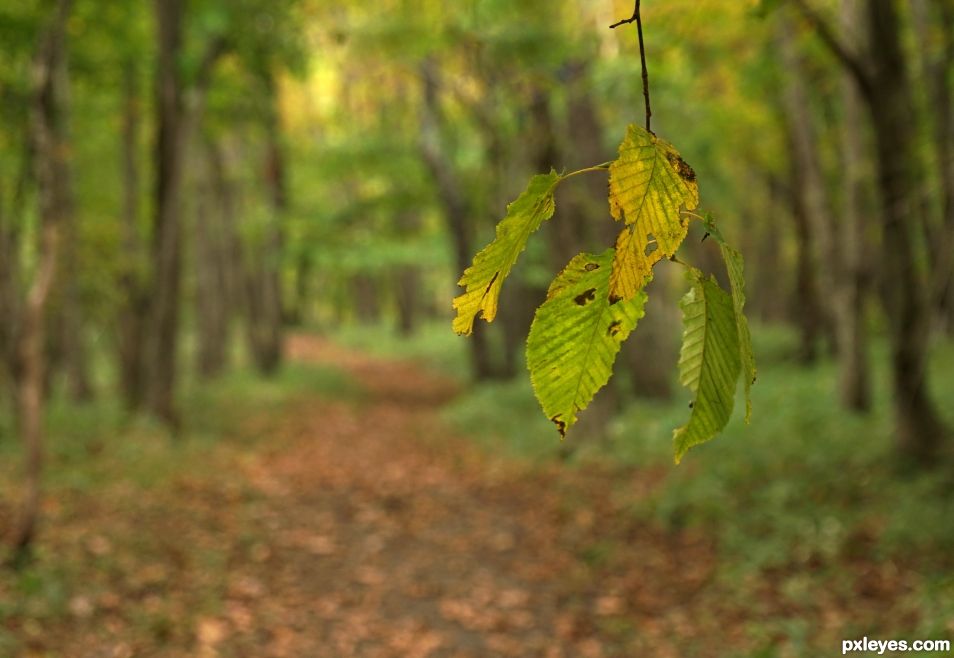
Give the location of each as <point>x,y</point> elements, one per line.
<point>852,292</point>
<point>905,289</point>
<point>166,246</point>
<point>133,312</point>
<point>769,266</point>
<point>936,71</point>
<point>212,251</point>
<point>53,195</point>
<point>835,249</point>
<point>11,301</point>
<point>265,284</point>
<point>70,319</point>
<point>806,310</point>
<point>300,315</point>
<point>365,297</point>
<point>407,279</point>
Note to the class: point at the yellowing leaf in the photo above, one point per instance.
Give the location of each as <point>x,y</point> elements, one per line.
<point>484,278</point>
<point>709,362</point>
<point>650,184</point>
<point>575,337</point>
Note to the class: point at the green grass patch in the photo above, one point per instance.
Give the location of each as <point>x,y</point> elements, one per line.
<point>101,441</point>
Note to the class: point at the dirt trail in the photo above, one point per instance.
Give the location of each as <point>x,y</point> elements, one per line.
<point>391,538</point>
<point>361,527</point>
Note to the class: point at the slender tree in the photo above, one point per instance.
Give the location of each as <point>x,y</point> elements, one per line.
<point>132,313</point>
<point>178,106</point>
<point>834,245</point>
<point>852,293</point>
<point>166,246</point>
<point>450,194</point>
<point>51,171</point>
<point>264,275</point>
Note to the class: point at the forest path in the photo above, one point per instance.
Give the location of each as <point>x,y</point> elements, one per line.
<point>388,536</point>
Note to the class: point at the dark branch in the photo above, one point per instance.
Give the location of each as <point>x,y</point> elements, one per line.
<point>848,59</point>
<point>642,57</point>
<point>631,19</point>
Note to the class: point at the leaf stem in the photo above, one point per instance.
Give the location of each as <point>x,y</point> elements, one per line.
<point>642,57</point>
<point>692,214</point>
<point>599,167</point>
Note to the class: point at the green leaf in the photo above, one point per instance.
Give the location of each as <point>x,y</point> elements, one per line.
<point>491,266</point>
<point>735,266</point>
<point>575,336</point>
<point>709,362</point>
<point>650,184</point>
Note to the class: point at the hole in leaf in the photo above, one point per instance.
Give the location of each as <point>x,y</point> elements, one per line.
<point>585,297</point>
<point>651,246</point>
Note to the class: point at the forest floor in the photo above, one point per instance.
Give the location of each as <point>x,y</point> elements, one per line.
<point>359,525</point>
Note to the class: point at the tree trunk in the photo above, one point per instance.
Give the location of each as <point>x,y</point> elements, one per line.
<point>367,308</point>
<point>904,288</point>
<point>407,279</point>
<point>53,194</point>
<point>578,222</point>
<point>936,72</point>
<point>449,191</point>
<point>9,300</point>
<point>651,352</point>
<point>298,315</point>
<point>166,247</point>
<point>944,131</point>
<point>133,312</point>
<point>806,310</point>
<point>851,293</point>
<point>70,321</point>
<point>769,265</point>
<point>835,254</point>
<point>265,285</point>
<point>10,238</point>
<point>212,251</point>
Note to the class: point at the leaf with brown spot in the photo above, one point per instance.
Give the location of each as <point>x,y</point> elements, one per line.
<point>650,184</point>
<point>575,337</point>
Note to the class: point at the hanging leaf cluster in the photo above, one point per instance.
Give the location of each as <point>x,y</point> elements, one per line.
<point>594,304</point>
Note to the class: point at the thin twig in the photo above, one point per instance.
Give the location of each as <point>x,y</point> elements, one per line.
<point>642,57</point>
<point>631,19</point>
